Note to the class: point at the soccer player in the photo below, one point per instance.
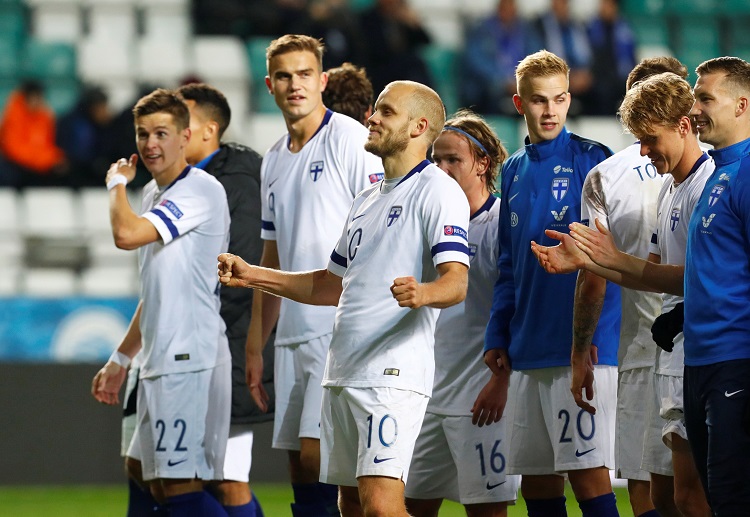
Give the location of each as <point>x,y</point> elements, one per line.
<point>238,169</point>
<point>532,312</point>
<point>656,111</point>
<point>453,458</point>
<point>308,181</point>
<point>717,301</point>
<point>622,192</point>
<point>349,91</point>
<point>403,253</point>
<point>184,386</point>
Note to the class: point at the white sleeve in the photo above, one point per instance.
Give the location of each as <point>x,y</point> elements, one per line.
<point>445,222</point>
<point>267,215</point>
<point>182,211</point>
<point>593,200</point>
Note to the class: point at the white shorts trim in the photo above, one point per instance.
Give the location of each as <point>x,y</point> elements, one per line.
<point>183,424</point>
<point>456,460</point>
<point>298,377</point>
<point>368,432</point>
<point>549,433</point>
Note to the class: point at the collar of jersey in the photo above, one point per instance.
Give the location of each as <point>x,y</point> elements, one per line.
<point>485,207</point>
<point>205,161</point>
<point>419,168</point>
<point>698,163</point>
<point>182,175</point>
<point>547,148</point>
<point>732,153</point>
<point>326,119</point>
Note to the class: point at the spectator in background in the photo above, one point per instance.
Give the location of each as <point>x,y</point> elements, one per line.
<point>27,140</point>
<point>613,57</point>
<point>493,49</point>
<point>395,35</point>
<point>84,136</point>
<point>349,91</point>
<point>558,33</point>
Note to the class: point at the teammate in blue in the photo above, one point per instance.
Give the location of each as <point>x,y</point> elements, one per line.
<point>403,254</point>
<point>717,299</point>
<point>532,312</point>
<point>461,450</point>
<point>184,379</point>
<point>309,178</point>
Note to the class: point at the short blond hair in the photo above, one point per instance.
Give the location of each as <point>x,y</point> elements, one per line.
<point>425,102</point>
<point>540,64</point>
<point>660,100</point>
<point>296,43</point>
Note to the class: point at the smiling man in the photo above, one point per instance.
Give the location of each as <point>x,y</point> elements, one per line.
<point>308,181</point>
<point>532,313</point>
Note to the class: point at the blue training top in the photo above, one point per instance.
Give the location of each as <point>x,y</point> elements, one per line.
<point>717,265</point>
<point>532,311</point>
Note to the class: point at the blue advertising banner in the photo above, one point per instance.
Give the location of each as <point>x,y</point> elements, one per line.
<point>75,329</point>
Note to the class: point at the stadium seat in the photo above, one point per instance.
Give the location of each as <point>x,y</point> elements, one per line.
<point>49,211</point>
<point>692,7</point>
<point>9,59</point>
<point>478,8</point>
<point>108,281</point>
<point>262,102</point>
<point>9,283</point>
<point>643,7</point>
<point>47,60</point>
<point>220,57</point>
<point>698,38</point>
<point>649,30</point>
<point>173,61</point>
<point>112,19</point>
<point>56,20</point>
<point>61,94</point>
<point>166,19</point>
<point>49,283</point>
<point>12,24</point>
<point>263,130</point>
<point>9,208</point>
<point>441,62</point>
<point>444,27</point>
<point>507,129</point>
<point>102,59</point>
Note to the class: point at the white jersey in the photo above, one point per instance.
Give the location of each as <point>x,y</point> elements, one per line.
<point>403,231</point>
<point>622,193</point>
<point>181,328</point>
<point>669,241</point>
<point>305,197</point>
<point>460,372</point>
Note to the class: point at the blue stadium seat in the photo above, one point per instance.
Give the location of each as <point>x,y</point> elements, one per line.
<point>48,60</point>
<point>262,102</point>
<point>650,30</point>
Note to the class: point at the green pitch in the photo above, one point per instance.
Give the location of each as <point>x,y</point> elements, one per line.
<point>90,501</point>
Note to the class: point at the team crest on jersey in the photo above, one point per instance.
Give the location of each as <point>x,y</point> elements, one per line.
<point>394,214</point>
<point>374,178</point>
<point>172,208</point>
<point>472,251</point>
<point>713,197</point>
<point>316,170</point>
<point>674,219</point>
<point>560,188</point>
<point>455,230</point>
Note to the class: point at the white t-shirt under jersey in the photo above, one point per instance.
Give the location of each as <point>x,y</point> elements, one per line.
<point>669,241</point>
<point>305,197</point>
<point>390,233</point>
<point>622,193</point>
<point>181,328</point>
<point>460,372</point>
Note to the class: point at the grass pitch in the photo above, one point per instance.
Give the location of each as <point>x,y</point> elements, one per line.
<point>111,501</point>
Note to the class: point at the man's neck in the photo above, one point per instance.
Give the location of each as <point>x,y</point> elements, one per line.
<point>303,129</point>
<point>401,164</point>
<point>691,155</point>
<point>477,199</point>
<point>167,177</point>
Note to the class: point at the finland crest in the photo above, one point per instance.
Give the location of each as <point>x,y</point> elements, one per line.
<point>394,214</point>
<point>713,197</point>
<point>316,170</point>
<point>674,219</point>
<point>560,188</point>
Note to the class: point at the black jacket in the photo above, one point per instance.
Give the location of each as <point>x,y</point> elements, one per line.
<point>238,169</point>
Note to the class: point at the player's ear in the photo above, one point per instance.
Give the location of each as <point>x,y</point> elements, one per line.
<point>685,127</point>
<point>517,103</point>
<point>323,81</point>
<point>419,127</point>
<point>268,85</point>
<point>742,105</point>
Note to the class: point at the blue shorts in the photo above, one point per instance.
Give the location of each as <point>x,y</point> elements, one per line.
<point>717,417</point>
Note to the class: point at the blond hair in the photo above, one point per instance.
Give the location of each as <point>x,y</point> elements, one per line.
<point>296,43</point>
<point>474,125</point>
<point>423,101</point>
<point>540,64</point>
<point>661,100</point>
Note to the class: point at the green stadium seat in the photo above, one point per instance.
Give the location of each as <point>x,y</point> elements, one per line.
<point>650,30</point>
<point>43,60</point>
<point>441,62</point>
<point>643,7</point>
<point>507,129</point>
<point>9,60</point>
<point>61,94</point>
<point>12,24</point>
<point>735,8</point>
<point>698,39</point>
<point>361,5</point>
<point>693,7</point>
<point>262,102</point>
<point>739,36</point>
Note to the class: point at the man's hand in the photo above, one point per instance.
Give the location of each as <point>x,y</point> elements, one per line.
<point>582,367</point>
<point>407,292</point>
<point>498,361</point>
<point>124,167</point>
<point>489,406</point>
<point>254,379</point>
<point>233,271</point>
<point>563,258</point>
<point>598,245</point>
<point>107,383</point>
